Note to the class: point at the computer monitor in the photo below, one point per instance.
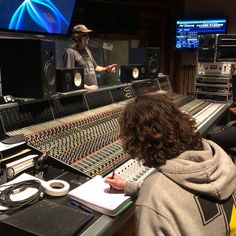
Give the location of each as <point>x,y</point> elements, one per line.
<point>188,30</point>
<point>36,16</point>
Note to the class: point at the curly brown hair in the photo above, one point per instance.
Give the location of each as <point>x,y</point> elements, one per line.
<point>153,130</point>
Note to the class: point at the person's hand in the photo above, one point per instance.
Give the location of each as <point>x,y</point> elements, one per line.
<point>91,87</point>
<point>117,182</point>
<point>111,68</point>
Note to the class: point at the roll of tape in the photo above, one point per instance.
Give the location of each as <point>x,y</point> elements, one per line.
<point>56,187</point>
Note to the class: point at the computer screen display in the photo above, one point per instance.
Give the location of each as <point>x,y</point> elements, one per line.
<point>36,16</point>
<point>188,31</point>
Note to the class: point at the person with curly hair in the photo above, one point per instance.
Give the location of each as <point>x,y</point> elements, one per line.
<point>192,190</point>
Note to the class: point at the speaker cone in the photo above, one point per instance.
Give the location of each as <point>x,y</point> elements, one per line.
<point>153,66</point>
<point>50,73</point>
<point>135,72</point>
<point>77,79</point>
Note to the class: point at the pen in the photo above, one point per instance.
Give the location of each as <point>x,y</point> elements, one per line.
<point>113,173</point>
<point>74,203</point>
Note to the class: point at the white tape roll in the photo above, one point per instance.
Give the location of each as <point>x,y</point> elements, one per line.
<point>56,187</point>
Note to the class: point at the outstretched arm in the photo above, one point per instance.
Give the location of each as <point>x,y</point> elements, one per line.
<point>109,68</point>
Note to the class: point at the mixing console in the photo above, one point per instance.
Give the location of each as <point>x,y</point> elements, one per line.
<point>101,161</point>
<point>205,114</point>
<point>23,115</point>
<point>88,141</point>
<point>81,132</point>
<point>134,171</point>
<point>77,143</point>
<point>192,105</point>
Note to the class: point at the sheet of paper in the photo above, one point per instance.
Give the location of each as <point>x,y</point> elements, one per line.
<point>97,193</point>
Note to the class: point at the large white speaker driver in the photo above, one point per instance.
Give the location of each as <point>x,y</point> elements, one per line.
<point>135,72</point>
<point>50,73</point>
<point>77,79</point>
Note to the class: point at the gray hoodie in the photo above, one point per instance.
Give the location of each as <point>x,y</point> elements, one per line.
<point>191,195</point>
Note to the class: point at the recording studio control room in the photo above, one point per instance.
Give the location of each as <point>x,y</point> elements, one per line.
<point>117,117</point>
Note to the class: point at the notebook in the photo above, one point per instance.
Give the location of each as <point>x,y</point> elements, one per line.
<point>96,195</point>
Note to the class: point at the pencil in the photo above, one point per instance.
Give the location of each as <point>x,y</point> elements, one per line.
<point>113,173</point>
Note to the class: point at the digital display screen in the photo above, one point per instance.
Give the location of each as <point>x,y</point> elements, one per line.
<point>35,16</point>
<point>188,31</point>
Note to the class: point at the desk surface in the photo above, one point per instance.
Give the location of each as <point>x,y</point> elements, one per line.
<point>98,225</point>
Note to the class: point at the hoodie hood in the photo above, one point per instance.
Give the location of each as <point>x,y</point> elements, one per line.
<point>210,172</point>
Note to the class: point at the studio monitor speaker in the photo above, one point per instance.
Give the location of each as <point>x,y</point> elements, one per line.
<point>149,56</point>
<point>28,67</point>
<point>129,73</point>
<point>70,79</point>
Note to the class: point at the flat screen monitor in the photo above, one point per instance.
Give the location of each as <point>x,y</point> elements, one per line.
<point>35,16</point>
<point>188,31</point>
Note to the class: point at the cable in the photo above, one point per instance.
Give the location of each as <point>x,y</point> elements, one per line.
<point>5,195</point>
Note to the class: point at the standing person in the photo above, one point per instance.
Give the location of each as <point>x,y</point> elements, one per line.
<point>78,54</point>
<point>192,190</point>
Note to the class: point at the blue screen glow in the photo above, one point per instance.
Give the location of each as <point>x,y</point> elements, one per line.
<point>36,16</point>
<point>188,31</point>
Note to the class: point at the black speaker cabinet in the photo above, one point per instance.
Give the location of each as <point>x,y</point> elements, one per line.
<point>128,73</point>
<point>28,67</point>
<point>149,56</point>
<point>70,79</point>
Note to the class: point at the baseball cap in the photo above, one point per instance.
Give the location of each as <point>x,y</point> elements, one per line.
<point>81,28</point>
